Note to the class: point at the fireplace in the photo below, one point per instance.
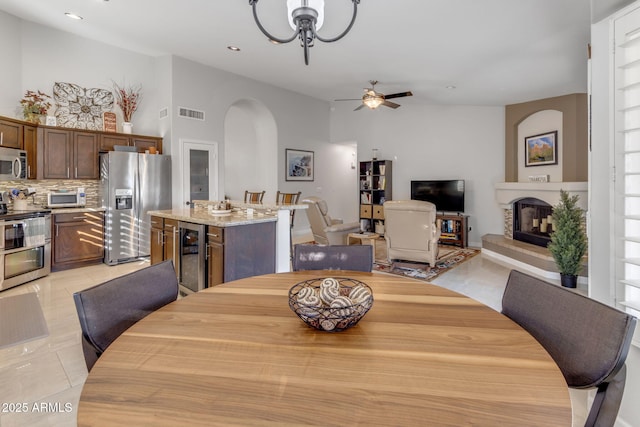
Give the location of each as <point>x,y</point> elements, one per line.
<point>532,221</point>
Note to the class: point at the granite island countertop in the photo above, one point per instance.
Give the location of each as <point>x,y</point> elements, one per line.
<point>202,216</point>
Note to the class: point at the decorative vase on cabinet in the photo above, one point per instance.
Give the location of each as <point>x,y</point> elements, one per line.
<point>34,118</point>
<point>127,127</point>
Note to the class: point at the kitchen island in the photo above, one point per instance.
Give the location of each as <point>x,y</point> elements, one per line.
<point>208,249</point>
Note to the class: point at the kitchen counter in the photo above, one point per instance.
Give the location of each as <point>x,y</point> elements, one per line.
<point>202,216</point>
<point>76,210</point>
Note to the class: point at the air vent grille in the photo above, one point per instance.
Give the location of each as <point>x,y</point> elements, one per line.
<point>190,113</point>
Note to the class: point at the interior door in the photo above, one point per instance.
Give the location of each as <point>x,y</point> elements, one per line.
<point>199,171</point>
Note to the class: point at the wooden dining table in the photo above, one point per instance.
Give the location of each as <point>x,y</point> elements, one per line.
<point>237,355</point>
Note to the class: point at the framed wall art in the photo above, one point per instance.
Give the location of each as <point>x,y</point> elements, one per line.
<point>81,108</point>
<point>541,149</point>
<point>109,121</point>
<point>299,165</point>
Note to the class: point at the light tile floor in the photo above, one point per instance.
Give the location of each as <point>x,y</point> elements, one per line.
<point>52,370</point>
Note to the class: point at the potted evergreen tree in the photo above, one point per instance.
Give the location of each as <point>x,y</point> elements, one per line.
<point>568,240</point>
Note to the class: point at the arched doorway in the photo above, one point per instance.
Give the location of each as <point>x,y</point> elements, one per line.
<point>250,150</point>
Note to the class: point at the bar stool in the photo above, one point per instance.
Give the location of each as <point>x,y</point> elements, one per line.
<point>253,196</point>
<point>288,199</point>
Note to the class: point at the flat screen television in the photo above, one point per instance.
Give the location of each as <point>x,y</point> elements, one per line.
<point>447,195</point>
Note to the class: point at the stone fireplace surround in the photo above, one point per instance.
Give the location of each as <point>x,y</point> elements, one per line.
<point>531,257</point>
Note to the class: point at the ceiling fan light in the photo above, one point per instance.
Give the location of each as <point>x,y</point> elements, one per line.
<point>317,5</point>
<point>372,101</point>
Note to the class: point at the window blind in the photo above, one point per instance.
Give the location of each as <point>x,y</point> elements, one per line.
<point>626,186</point>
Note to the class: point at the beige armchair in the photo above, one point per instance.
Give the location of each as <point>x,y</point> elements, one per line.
<point>411,231</point>
<point>327,231</point>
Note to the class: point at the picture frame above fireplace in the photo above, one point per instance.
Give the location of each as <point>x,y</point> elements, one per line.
<point>541,149</point>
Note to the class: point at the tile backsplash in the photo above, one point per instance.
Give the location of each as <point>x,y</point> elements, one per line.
<point>43,187</point>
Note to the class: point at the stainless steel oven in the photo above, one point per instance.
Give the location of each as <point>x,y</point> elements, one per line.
<point>25,247</point>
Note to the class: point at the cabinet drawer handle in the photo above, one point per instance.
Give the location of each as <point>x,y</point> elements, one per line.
<point>1,138</point>
<point>67,172</point>
<point>56,230</point>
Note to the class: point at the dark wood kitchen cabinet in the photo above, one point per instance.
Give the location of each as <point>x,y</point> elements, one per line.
<point>109,140</point>
<point>10,133</point>
<point>215,255</point>
<point>164,235</point>
<point>30,141</point>
<point>78,240</point>
<point>66,154</point>
<point>157,240</point>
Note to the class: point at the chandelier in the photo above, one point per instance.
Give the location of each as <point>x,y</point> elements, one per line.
<point>306,18</point>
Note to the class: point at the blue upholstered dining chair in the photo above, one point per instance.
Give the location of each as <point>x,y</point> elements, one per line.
<point>333,257</point>
<point>107,310</point>
<point>588,340</point>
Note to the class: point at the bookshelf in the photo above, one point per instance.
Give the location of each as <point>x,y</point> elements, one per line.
<point>454,230</point>
<point>374,189</point>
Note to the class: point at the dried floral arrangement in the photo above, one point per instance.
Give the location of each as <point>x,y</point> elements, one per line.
<point>128,99</point>
<point>35,104</point>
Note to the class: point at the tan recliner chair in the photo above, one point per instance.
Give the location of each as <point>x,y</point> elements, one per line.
<point>327,231</point>
<point>411,231</point>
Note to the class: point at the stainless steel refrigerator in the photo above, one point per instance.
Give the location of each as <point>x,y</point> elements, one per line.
<point>132,184</point>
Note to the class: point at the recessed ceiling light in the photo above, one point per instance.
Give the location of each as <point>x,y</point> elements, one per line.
<point>451,87</point>
<point>73,16</point>
<point>234,48</point>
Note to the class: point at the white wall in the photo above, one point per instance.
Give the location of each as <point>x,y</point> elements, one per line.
<point>169,82</point>
<point>251,147</point>
<point>50,56</point>
<point>10,74</point>
<point>301,122</point>
<point>424,141</point>
<point>434,142</point>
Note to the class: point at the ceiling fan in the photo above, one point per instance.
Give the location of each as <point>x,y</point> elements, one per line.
<point>373,99</point>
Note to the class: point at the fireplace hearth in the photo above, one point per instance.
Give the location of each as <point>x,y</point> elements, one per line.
<point>532,222</point>
<point>530,255</point>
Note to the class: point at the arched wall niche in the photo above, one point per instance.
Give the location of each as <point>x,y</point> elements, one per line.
<point>539,123</point>
<point>574,131</point>
<point>251,150</point>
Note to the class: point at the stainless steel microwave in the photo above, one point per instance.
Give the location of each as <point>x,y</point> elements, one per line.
<point>13,164</point>
<point>67,199</point>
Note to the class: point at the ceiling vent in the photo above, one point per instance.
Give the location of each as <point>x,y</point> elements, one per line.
<point>189,113</point>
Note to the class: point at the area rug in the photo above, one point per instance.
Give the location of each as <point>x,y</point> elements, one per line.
<point>449,257</point>
<point>21,320</point>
